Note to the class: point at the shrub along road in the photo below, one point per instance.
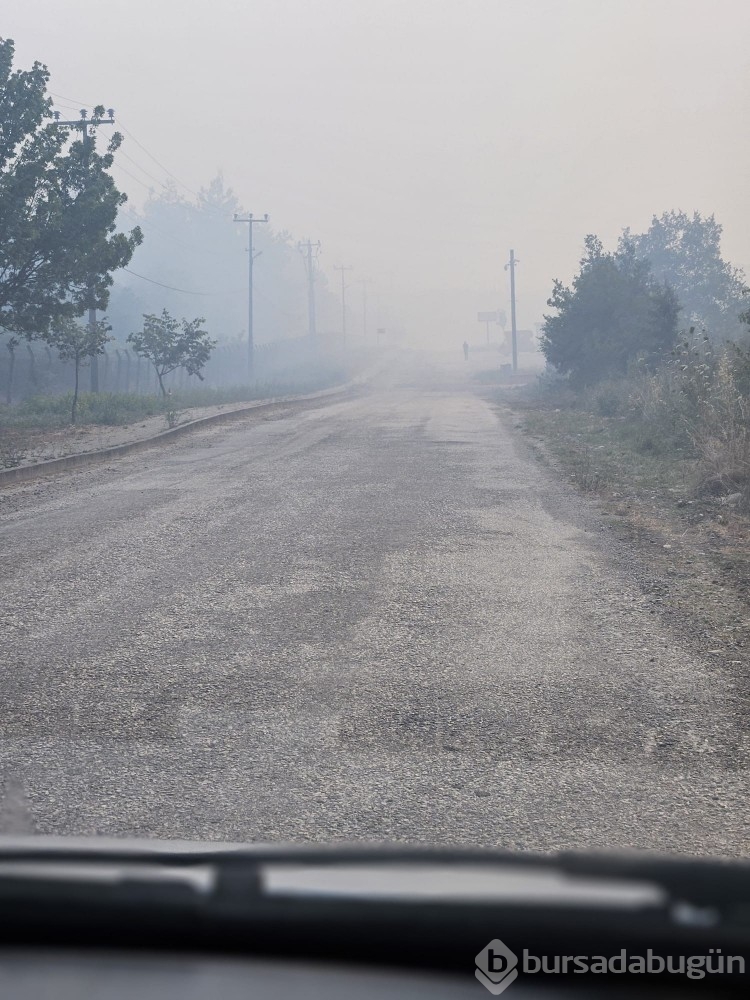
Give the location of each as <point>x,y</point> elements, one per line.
<point>375,617</point>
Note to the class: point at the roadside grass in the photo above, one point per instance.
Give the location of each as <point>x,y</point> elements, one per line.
<point>694,546</point>
<point>601,453</point>
<point>119,409</point>
<point>31,427</point>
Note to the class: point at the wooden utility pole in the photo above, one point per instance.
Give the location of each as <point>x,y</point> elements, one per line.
<point>84,123</point>
<point>511,266</point>
<point>250,220</point>
<point>343,268</point>
<point>310,252</point>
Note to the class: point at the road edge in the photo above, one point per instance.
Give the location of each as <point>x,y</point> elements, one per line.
<point>23,473</point>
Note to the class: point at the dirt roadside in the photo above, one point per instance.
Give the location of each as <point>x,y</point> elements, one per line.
<point>691,555</point>
<point>43,444</point>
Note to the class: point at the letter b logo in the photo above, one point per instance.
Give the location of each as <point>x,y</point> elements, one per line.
<point>496,967</point>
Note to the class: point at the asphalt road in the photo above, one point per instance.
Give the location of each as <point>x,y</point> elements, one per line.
<point>370,618</point>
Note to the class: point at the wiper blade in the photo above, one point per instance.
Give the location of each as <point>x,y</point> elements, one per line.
<point>698,881</point>
<point>702,881</point>
<point>306,901</point>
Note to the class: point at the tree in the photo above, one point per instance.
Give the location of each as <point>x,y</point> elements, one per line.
<point>170,344</point>
<point>613,313</point>
<point>58,209</point>
<point>78,342</point>
<point>685,251</point>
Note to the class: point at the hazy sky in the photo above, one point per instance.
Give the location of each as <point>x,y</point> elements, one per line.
<point>420,139</point>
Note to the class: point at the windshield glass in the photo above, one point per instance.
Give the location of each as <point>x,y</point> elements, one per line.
<point>375,422</point>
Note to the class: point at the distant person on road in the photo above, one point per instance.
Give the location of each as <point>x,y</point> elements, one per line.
<point>466,351</point>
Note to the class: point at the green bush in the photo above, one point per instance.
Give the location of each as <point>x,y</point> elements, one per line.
<point>608,398</point>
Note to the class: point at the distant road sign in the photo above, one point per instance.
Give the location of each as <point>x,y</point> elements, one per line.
<point>491,317</point>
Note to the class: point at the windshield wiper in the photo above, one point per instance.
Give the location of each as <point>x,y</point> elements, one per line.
<point>402,906</point>
<point>704,881</point>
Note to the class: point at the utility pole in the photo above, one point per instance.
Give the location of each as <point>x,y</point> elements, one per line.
<point>84,124</point>
<point>310,252</point>
<point>364,309</point>
<point>511,266</point>
<point>343,268</point>
<point>251,221</point>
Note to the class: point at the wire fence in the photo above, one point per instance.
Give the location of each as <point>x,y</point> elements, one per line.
<point>34,369</point>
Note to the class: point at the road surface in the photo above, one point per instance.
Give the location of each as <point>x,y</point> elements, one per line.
<point>370,618</point>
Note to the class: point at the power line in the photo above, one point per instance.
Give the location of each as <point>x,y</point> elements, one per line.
<point>172,288</point>
<point>185,291</point>
<point>72,100</point>
<point>169,173</point>
<point>74,105</point>
<point>159,164</point>
<point>138,180</point>
<point>121,152</point>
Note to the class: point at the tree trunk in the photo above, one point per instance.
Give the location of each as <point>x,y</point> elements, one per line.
<point>75,395</point>
<point>11,366</point>
<point>161,383</point>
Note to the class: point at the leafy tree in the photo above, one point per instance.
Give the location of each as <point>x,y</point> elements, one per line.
<point>170,344</point>
<point>78,342</point>
<point>685,251</point>
<point>58,207</point>
<point>613,313</point>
